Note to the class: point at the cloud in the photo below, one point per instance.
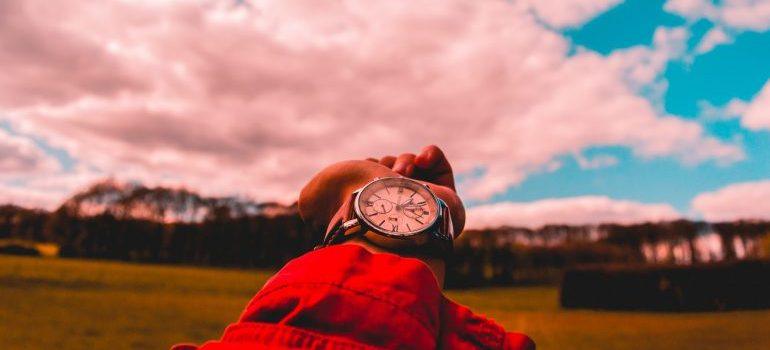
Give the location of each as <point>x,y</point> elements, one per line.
<point>735,108</point>
<point>691,9</point>
<point>20,157</point>
<point>254,98</point>
<point>729,16</point>
<point>595,162</point>
<point>27,197</point>
<point>757,114</point>
<point>714,37</point>
<point>571,13</point>
<point>754,114</point>
<point>641,66</point>
<point>571,211</point>
<point>747,200</point>
<point>739,14</point>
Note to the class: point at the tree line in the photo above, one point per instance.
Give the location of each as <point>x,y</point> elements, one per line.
<point>132,222</point>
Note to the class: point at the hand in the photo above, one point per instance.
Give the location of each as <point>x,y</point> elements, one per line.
<point>321,200</point>
<point>431,165</point>
<point>322,197</point>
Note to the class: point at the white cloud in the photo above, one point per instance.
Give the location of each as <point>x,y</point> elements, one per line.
<point>19,156</point>
<point>729,16</point>
<point>733,109</point>
<point>643,67</point>
<point>749,200</point>
<point>754,114</point>
<point>739,14</point>
<point>28,197</point>
<point>595,162</point>
<point>745,14</point>
<point>713,38</point>
<point>255,99</point>
<point>570,13</point>
<point>571,211</point>
<point>691,9</point>
<point>757,114</point>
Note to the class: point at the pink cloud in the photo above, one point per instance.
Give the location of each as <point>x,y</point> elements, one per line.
<point>571,13</point>
<point>757,113</point>
<point>749,14</point>
<point>713,38</point>
<point>571,211</point>
<point>30,198</point>
<point>20,157</point>
<point>737,14</point>
<point>254,99</point>
<point>747,200</point>
<point>691,9</point>
<point>595,162</point>
<point>47,60</point>
<point>729,16</point>
<point>754,114</point>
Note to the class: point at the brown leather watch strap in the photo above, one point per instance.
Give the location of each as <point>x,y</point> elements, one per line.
<point>344,214</point>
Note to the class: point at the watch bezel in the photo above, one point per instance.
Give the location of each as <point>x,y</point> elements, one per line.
<point>410,235</point>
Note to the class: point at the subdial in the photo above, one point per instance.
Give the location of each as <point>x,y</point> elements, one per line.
<point>382,206</point>
<point>414,211</point>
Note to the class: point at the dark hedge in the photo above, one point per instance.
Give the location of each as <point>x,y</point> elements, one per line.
<point>703,287</point>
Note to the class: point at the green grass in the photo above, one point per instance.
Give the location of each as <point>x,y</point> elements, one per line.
<point>75,304</point>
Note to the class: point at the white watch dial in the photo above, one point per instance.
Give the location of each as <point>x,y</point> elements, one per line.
<point>398,206</point>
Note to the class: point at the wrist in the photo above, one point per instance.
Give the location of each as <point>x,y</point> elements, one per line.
<point>436,265</point>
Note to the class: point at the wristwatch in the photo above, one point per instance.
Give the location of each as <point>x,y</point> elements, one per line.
<point>396,213</point>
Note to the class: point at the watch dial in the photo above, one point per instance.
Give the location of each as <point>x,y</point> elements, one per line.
<point>398,206</point>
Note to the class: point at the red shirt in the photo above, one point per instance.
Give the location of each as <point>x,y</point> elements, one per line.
<point>344,297</point>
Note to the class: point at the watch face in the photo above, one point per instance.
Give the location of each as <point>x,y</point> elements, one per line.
<point>398,206</point>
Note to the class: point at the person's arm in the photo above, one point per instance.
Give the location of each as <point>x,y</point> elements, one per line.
<point>345,296</point>
<point>321,199</point>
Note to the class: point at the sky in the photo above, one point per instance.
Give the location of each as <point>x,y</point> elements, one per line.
<point>570,111</point>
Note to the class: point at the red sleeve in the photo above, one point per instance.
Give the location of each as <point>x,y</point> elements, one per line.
<point>463,329</point>
<point>518,341</point>
<point>346,297</point>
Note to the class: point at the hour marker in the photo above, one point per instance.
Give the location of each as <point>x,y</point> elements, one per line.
<point>387,190</point>
<point>425,212</point>
<point>369,204</point>
<point>400,190</point>
<point>407,227</point>
<point>418,220</point>
<point>380,224</point>
<point>421,203</point>
<point>378,197</point>
<point>413,193</point>
<point>395,228</point>
<point>373,214</point>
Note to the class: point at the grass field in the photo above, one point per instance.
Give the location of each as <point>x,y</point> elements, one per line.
<point>75,304</point>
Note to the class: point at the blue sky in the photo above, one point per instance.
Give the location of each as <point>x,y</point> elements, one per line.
<point>737,70</point>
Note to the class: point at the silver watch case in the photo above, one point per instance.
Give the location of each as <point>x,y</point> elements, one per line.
<point>439,229</point>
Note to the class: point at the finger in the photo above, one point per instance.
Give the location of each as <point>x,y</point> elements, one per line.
<point>431,156</point>
<point>403,163</point>
<point>433,164</point>
<point>388,161</point>
<point>409,170</point>
<point>373,160</point>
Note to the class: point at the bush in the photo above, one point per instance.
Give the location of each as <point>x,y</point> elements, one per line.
<point>18,249</point>
<point>706,287</point>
